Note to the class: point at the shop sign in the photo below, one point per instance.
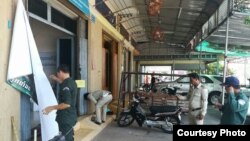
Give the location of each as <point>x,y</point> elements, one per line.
<point>22,84</point>
<point>82,5</point>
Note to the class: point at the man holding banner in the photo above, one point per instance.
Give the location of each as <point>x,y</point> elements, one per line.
<point>66,109</point>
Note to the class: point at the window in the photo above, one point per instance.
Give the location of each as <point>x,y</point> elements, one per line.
<point>183,80</point>
<point>220,78</point>
<point>62,20</point>
<point>38,7</point>
<point>205,79</point>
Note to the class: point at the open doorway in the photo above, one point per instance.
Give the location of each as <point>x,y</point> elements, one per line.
<point>109,65</point>
<point>65,55</point>
<point>106,73</point>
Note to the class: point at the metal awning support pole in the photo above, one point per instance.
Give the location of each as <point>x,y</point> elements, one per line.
<point>245,71</point>
<point>172,71</point>
<point>200,60</point>
<point>226,49</point>
<point>120,95</point>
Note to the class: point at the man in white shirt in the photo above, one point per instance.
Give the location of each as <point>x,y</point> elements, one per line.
<point>101,99</point>
<point>197,97</point>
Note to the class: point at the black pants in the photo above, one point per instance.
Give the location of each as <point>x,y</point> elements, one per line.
<point>67,131</point>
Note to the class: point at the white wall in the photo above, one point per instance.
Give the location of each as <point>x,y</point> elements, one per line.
<point>46,38</point>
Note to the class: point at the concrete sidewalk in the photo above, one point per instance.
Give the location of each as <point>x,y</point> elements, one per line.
<point>86,130</point>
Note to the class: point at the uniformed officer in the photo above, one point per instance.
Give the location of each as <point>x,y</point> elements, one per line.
<point>234,112</point>
<point>101,99</point>
<point>66,109</point>
<point>197,97</point>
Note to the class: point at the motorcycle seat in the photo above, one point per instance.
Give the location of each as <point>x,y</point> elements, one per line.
<point>163,109</point>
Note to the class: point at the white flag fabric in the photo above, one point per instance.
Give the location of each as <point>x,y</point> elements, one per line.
<point>19,61</point>
<point>24,59</point>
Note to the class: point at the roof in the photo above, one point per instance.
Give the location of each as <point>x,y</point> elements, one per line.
<point>238,33</point>
<point>179,20</point>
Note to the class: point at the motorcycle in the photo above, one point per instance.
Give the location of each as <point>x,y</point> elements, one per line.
<point>162,117</point>
<point>172,91</point>
<point>148,88</point>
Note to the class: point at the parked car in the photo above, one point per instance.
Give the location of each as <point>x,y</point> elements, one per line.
<point>211,82</point>
<point>246,90</point>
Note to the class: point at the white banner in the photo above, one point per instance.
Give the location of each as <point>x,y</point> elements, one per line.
<point>24,59</point>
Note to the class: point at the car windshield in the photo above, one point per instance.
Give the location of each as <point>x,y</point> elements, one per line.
<point>186,79</point>
<point>183,79</point>
<point>220,78</point>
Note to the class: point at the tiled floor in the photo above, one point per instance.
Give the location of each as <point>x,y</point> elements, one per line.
<point>86,130</point>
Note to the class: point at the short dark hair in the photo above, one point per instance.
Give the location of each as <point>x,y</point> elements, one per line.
<point>63,67</point>
<point>194,75</point>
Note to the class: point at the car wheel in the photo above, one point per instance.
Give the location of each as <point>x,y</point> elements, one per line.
<point>214,97</point>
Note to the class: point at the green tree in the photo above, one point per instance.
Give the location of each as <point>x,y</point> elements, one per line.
<point>214,68</point>
<point>217,68</point>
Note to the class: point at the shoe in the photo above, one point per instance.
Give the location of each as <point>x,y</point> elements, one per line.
<point>93,119</point>
<point>96,122</point>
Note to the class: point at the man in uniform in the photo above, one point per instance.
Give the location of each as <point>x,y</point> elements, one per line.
<point>197,97</point>
<point>234,112</point>
<point>101,99</point>
<point>66,109</point>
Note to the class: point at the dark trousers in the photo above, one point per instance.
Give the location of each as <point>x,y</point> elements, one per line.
<point>67,131</point>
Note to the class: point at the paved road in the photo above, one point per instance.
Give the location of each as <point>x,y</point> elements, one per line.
<point>136,133</point>
<point>132,133</point>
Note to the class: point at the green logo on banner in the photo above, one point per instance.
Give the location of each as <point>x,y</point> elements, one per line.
<point>21,84</point>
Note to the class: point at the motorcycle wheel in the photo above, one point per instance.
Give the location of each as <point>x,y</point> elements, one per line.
<point>146,88</point>
<point>164,91</point>
<point>125,120</point>
<point>169,126</point>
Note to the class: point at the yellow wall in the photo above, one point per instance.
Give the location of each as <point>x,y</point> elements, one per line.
<point>95,44</point>
<point>94,60</point>
<point>9,98</point>
<point>96,31</point>
<point>95,56</point>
